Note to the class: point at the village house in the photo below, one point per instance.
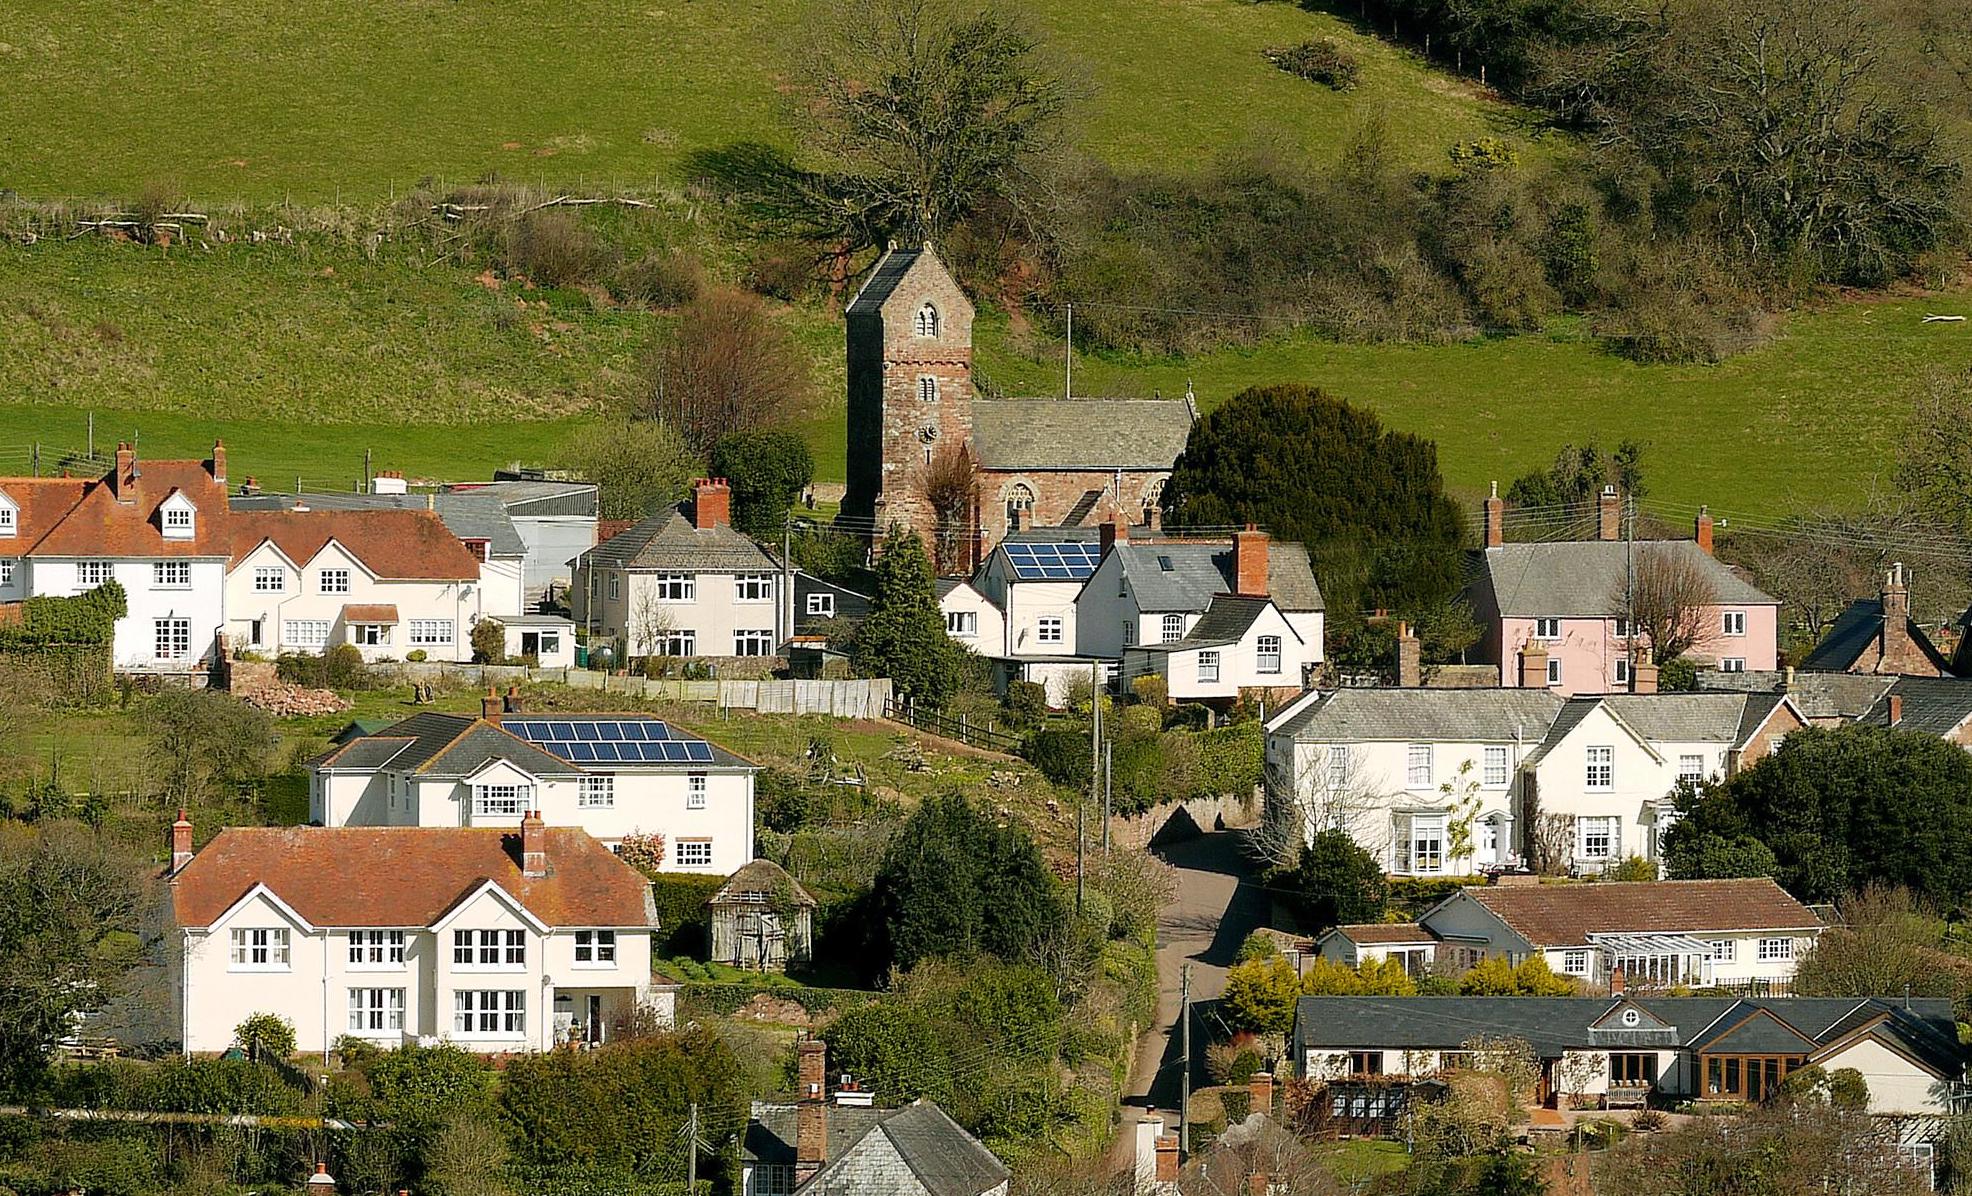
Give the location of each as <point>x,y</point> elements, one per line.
<point>685,583</point>
<point>156,528</point>
<point>555,518</point>
<point>1630,1049</point>
<point>615,776</point>
<point>972,619</point>
<point>1656,934</point>
<point>1030,580</point>
<point>1824,699</point>
<point>389,582</point>
<point>1035,462</point>
<point>499,939</point>
<point>852,1147</point>
<point>1877,635</point>
<point>819,604</point>
<point>1552,614</point>
<point>1523,776</point>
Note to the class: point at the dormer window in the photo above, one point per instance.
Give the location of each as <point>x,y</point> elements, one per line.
<point>177,518</point>
<point>926,323</point>
<point>10,517</point>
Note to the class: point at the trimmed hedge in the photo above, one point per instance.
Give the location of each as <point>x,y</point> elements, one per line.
<point>724,997</point>
<point>684,925</point>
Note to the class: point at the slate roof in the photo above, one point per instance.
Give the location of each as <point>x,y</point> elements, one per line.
<point>913,1151</point>
<point>1565,915</point>
<point>447,745</point>
<point>669,540</point>
<point>407,875</point>
<point>1555,1024</point>
<point>532,498</point>
<point>1819,696</point>
<point>1419,715</point>
<point>882,283</point>
<point>1727,718</point>
<point>1058,434</point>
<point>1225,621</point>
<point>1855,631</point>
<point>1182,575</point>
<point>1934,705</point>
<point>1582,578</point>
<point>469,516</point>
<point>397,545</point>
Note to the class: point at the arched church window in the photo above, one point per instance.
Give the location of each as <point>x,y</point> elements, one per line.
<point>1020,499</point>
<point>927,321</point>
<point>927,389</point>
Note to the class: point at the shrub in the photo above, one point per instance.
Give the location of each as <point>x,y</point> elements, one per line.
<point>1260,995</point>
<point>662,279</point>
<point>1238,1102</point>
<point>1061,755</point>
<point>1632,868</point>
<point>339,666</point>
<point>1151,690</point>
<point>1340,883</point>
<point>958,882</point>
<point>554,248</point>
<point>219,1086</point>
<point>417,656</point>
<point>682,919</point>
<point>1258,945</point>
<point>1318,60</point>
<point>489,642</point>
<point>782,270</point>
<point>1847,1089</point>
<point>1025,703</point>
<point>265,1036</point>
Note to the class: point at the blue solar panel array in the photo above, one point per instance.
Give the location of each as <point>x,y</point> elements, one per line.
<point>611,741</point>
<point>1073,560</point>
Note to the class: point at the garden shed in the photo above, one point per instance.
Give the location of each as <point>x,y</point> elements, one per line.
<point>762,918</point>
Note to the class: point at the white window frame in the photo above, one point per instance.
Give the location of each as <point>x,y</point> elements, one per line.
<point>489,1012</point>
<point>374,1011</point>
<point>1172,627</point>
<point>753,587</point>
<point>1732,623</point>
<point>1599,768</point>
<point>1338,767</point>
<point>305,633</point>
<point>377,950</point>
<point>1554,670</point>
<point>501,801</point>
<point>6,570</point>
<point>695,786</point>
<point>1423,849</point>
<point>489,950</point>
<point>1607,828</point>
<point>333,581</point>
<point>1420,771</point>
<point>10,520</point>
<point>1575,961</point>
<point>677,643</point>
<point>1775,950</point>
<point>822,603</point>
<point>171,575</point>
<point>675,587</point>
<point>1723,951</point>
<point>370,635</point>
<point>433,633</point>
<point>615,586</point>
<point>963,624</point>
<point>596,791</point>
<point>595,948</point>
<point>925,322</point>
<point>1547,628</point>
<point>1267,655</point>
<point>1620,629</point>
<point>1208,666</point>
<point>701,853</point>
<point>1732,664</point>
<point>270,579</point>
<point>1497,770</point>
<point>1691,767</point>
<point>176,521</point>
<point>171,638</point>
<point>90,574</point>
<point>261,949</point>
<point>1049,629</point>
<point>753,642</point>
<point>1622,670</point>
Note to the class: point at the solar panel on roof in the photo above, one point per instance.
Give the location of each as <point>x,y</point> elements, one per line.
<point>582,752</point>
<point>699,751</point>
<point>586,731</point>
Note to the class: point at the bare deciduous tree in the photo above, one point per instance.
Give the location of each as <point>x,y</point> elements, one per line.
<point>1550,843</point>
<point>1333,792</point>
<point>649,623</point>
<point>727,367</point>
<point>1669,599</point>
<point>950,484</point>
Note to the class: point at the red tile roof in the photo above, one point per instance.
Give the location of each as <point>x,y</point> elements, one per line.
<point>369,612</point>
<point>407,876</point>
<point>1564,915</point>
<point>1386,932</point>
<point>398,545</point>
<point>99,525</point>
<point>41,503</point>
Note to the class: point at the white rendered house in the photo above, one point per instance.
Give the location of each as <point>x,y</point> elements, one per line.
<point>500,940</point>
<point>612,775</point>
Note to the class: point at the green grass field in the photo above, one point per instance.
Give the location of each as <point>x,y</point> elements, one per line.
<point>247,99</point>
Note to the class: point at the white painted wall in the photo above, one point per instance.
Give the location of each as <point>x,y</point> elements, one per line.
<point>301,598</point>
<point>713,612</point>
<point>989,637</point>
<point>201,603</point>
<point>1896,1085</point>
<point>1641,781</point>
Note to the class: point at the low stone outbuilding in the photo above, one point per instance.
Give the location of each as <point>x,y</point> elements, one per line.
<point>762,918</point>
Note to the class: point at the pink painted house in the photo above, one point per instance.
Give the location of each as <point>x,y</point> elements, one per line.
<point>1551,613</point>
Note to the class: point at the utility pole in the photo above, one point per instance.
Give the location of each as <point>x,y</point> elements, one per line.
<point>1068,358</point>
<point>787,576</point>
<point>1108,776</point>
<point>369,478</point>
<point>691,1152</point>
<point>1629,587</point>
<point>1184,1075</point>
<point>92,436</point>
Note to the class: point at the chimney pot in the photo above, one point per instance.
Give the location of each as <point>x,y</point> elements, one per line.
<point>510,704</point>
<point>490,706</point>
<point>1702,531</point>
<point>533,845</point>
<point>1609,514</point>
<point>1495,509</point>
<point>321,1181</point>
<point>1898,652</point>
<point>1616,982</point>
<point>712,503</point>
<point>1250,562</point>
<point>181,842</point>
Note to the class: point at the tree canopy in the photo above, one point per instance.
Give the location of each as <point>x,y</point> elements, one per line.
<point>1367,502</point>
<point>903,637</point>
<point>640,465</point>
<point>768,470</point>
<point>956,881</point>
<point>1835,810</point>
<point>1339,883</point>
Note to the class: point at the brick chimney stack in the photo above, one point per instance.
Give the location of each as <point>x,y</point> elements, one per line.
<point>1114,530</point>
<point>490,706</point>
<point>1533,666</point>
<point>1260,1091</point>
<point>1896,643</point>
<point>712,503</point>
<point>1167,1159</point>
<point>181,842</point>
<point>1495,518</point>
<point>533,845</point>
<point>811,1116</point>
<point>1643,677</point>
<point>510,704</point>
<point>1609,514</point>
<point>1250,562</point>
<point>1896,708</point>
<point>123,483</point>
<point>1616,982</point>
<point>1702,530</point>
<point>1410,657</point>
<point>219,461</point>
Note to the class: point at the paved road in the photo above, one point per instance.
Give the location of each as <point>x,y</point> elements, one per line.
<point>1218,903</point>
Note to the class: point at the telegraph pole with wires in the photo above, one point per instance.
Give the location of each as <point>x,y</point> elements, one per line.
<point>1184,1075</point>
<point>694,1142</point>
<point>1068,358</point>
<point>1629,586</point>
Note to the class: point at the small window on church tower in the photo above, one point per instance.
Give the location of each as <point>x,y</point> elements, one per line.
<point>927,321</point>
<point>927,389</point>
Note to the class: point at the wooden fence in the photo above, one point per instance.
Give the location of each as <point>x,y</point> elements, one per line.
<point>865,698</point>
<point>989,737</point>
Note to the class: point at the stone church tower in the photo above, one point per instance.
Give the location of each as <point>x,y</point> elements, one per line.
<point>910,388</point>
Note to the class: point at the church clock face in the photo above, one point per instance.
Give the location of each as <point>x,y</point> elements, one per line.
<point>928,434</point>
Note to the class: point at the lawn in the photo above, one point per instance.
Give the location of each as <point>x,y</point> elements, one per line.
<point>351,99</point>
